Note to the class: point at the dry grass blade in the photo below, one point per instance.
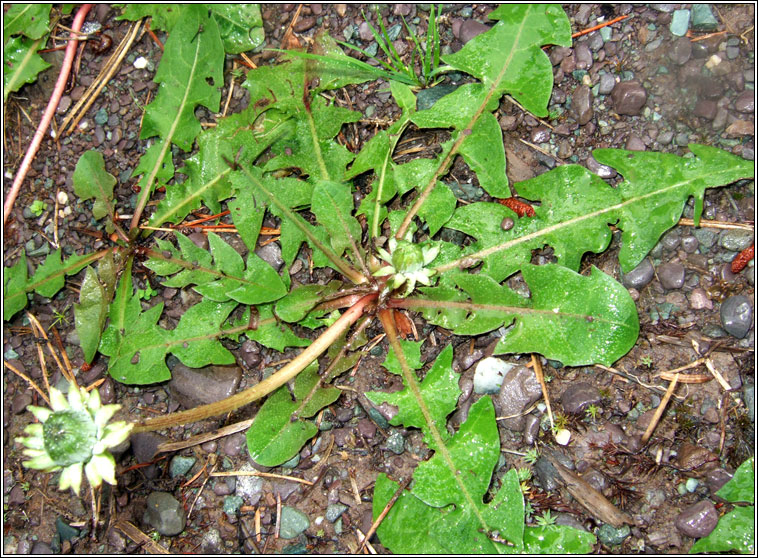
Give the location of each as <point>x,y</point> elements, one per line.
<point>537,365</point>
<point>206,437</point>
<point>716,374</point>
<point>106,73</point>
<point>131,531</point>
<point>660,409</point>
<point>34,386</point>
<point>717,224</point>
<point>39,332</point>
<point>364,541</point>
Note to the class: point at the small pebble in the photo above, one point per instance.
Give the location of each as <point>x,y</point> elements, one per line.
<point>292,522</point>
<point>628,98</point>
<point>671,275</point>
<point>165,514</point>
<point>611,536</point>
<point>699,300</point>
<point>578,396</point>
<point>680,22</point>
<point>489,374</point>
<point>335,511</point>
<point>581,105</point>
<point>639,276</point>
<point>697,520</point>
<point>607,83</point>
<point>181,465</point>
<point>737,315</point>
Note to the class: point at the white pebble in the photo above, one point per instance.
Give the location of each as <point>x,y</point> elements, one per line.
<point>62,197</point>
<point>489,374</point>
<point>563,436</point>
<point>713,61</point>
<point>140,63</point>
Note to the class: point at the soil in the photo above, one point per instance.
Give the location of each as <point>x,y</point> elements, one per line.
<point>646,481</point>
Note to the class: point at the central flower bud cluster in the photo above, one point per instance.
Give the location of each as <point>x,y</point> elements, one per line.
<point>407,257</point>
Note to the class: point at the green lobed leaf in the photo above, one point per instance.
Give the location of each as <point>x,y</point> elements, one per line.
<point>296,304</point>
<point>273,334</point>
<point>91,180</point>
<point>163,16</point>
<point>437,517</point>
<point>21,63</point>
<point>332,204</point>
<point>557,539</point>
<point>90,313</point>
<point>569,317</point>
<point>735,532</point>
<point>240,26</point>
<point>507,59</point>
<point>48,279</point>
<point>576,208</point>
<point>741,487</point>
<point>30,20</point>
<point>218,273</point>
<point>274,437</point>
<point>439,390</point>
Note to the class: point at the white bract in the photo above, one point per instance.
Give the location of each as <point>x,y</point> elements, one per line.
<point>407,264</point>
<point>74,436</point>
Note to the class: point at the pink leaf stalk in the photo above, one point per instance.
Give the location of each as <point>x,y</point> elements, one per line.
<point>52,105</point>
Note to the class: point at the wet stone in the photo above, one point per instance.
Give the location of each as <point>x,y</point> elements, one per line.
<point>702,18</point>
<point>518,391</point>
<point>639,276</point>
<point>292,523</point>
<point>696,460</point>
<point>689,244</point>
<point>581,105</point>
<point>395,442</point>
<point>611,536</point>
<point>736,240</point>
<point>737,315</point>
<point>212,543</point>
<point>671,275</point>
<point>195,386</point>
<point>705,108</point>
<point>20,402</point>
<point>583,56</point>
<point>144,446</point>
<point>670,240</point>
<point>681,51</point>
<point>634,143</point>
<point>717,478</point>
<point>628,98</point>
<point>470,29</point>
<point>606,84</point>
<point>547,475</point>
<point>745,102</point>
<point>699,300</point>
<point>304,23</point>
<point>541,134</point>
<point>233,445</point>
<point>680,22</point>
<point>334,511</point>
<point>697,520</point>
<point>366,428</point>
<point>249,487</point>
<point>603,171</point>
<point>165,514</point>
<point>181,465</point>
<point>271,254</point>
<point>578,396</point>
<point>531,429</point>
<point>706,237</point>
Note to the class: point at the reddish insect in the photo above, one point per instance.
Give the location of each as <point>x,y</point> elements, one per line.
<point>740,261</point>
<point>521,208</point>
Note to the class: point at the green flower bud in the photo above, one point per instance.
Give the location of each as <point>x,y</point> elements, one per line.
<point>69,437</point>
<point>407,257</point>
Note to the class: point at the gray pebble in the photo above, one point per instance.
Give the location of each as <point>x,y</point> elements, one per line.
<point>737,315</point>
<point>194,386</point>
<point>581,105</point>
<point>689,244</point>
<point>603,171</point>
<point>292,523</point>
<point>671,275</point>
<point>233,445</point>
<point>745,102</point>
<point>583,56</point>
<point>717,478</point>
<point>681,51</point>
<point>334,511</point>
<point>540,134</point>
<point>697,520</point>
<point>664,138</point>
<point>249,487</point>
<point>64,104</point>
<point>395,442</point>
<point>705,108</point>
<point>222,488</point>
<point>364,32</point>
<point>470,29</point>
<point>578,396</point>
<point>518,391</point>
<point>606,84</point>
<point>670,240</point>
<point>165,514</point>
<point>628,97</point>
<point>639,276</point>
<point>145,445</point>
<point>682,139</point>
<point>271,254</point>
<point>735,240</point>
<point>211,543</point>
<point>634,143</point>
<point>531,429</point>
<point>546,474</point>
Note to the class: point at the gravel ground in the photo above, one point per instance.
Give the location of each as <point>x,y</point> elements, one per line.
<point>674,91</point>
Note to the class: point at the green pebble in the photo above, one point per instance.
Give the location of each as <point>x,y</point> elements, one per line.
<point>232,504</point>
<point>181,465</point>
<point>680,22</point>
<point>396,442</point>
<point>702,18</point>
<point>101,117</point>
<point>606,33</point>
<point>292,523</point>
<point>610,536</point>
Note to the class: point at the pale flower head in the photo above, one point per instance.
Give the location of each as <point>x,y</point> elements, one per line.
<point>74,436</point>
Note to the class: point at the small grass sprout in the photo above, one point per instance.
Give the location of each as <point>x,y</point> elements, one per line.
<point>38,207</point>
<point>545,519</point>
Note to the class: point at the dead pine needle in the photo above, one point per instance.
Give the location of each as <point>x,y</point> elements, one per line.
<point>660,409</point>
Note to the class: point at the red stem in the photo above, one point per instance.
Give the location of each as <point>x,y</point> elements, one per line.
<point>52,105</point>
